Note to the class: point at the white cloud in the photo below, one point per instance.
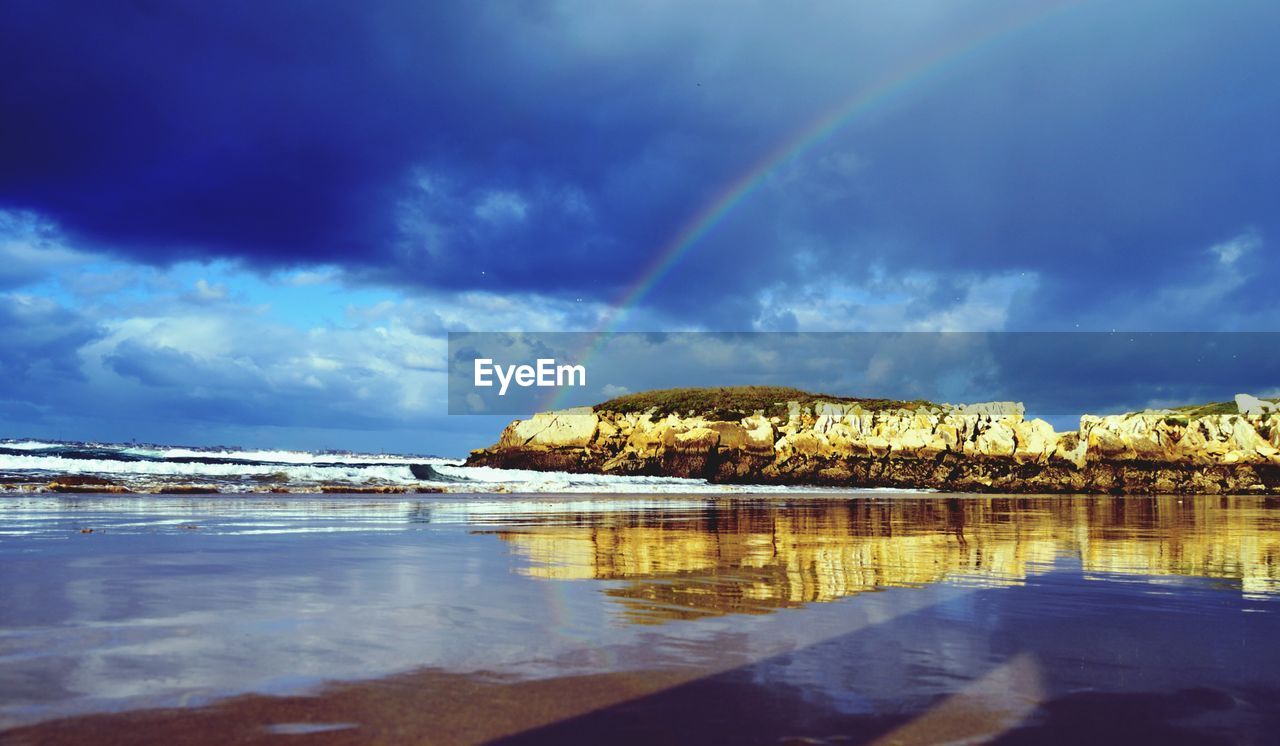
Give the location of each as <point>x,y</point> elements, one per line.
<point>502,207</point>
<point>310,277</point>
<point>477,311</point>
<point>1231,250</point>
<point>897,303</point>
<point>212,354</point>
<point>265,371</point>
<point>1204,300</point>
<point>207,291</point>
<point>32,250</point>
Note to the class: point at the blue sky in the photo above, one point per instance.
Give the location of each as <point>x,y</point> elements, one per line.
<point>253,224</point>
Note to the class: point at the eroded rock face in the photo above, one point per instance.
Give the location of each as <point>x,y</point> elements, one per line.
<point>570,427</point>
<point>981,447</point>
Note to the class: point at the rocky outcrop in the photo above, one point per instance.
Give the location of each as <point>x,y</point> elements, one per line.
<point>980,448</point>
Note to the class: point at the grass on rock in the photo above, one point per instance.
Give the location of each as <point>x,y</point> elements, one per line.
<point>1201,410</point>
<point>736,402</point>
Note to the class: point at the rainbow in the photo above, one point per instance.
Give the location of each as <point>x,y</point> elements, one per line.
<point>901,80</point>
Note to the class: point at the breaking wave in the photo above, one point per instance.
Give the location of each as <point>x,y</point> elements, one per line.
<point>30,465</point>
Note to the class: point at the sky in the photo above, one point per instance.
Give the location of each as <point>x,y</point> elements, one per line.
<point>254,224</point>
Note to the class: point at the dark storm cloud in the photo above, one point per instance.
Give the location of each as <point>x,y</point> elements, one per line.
<point>188,129</point>
<point>1110,171</point>
<point>555,147</point>
<point>298,132</point>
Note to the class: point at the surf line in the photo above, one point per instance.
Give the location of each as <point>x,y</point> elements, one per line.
<point>900,80</point>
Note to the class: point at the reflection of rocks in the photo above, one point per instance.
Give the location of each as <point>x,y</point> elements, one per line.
<point>981,448</point>
<point>79,483</point>
<point>740,558</point>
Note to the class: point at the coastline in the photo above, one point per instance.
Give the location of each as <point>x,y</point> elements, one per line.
<point>989,448</point>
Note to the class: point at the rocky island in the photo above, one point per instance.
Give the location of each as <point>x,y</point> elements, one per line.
<point>770,435</point>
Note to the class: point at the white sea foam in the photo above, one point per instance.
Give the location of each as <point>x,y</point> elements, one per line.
<point>296,468</point>
<point>29,445</point>
<point>508,476</point>
<point>302,473</point>
<point>280,457</point>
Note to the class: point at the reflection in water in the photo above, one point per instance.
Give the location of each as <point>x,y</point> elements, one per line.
<point>177,601</point>
<point>735,556</point>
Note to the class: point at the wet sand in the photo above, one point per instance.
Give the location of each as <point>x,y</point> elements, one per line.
<point>878,619</point>
<point>665,707</point>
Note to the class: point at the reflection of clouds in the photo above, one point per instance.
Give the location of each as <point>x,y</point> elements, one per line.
<point>149,616</point>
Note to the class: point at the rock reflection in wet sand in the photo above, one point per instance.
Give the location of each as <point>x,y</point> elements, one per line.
<point>740,557</point>
<point>675,619</point>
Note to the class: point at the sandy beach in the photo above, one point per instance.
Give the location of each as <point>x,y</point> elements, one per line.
<point>686,619</point>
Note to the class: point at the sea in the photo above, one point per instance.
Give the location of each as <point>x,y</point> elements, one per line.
<point>30,465</point>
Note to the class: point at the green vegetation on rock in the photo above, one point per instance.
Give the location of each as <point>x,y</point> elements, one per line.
<point>1200,410</point>
<point>736,402</point>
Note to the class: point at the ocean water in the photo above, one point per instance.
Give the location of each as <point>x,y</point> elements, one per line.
<point>27,464</point>
<point>640,618</point>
